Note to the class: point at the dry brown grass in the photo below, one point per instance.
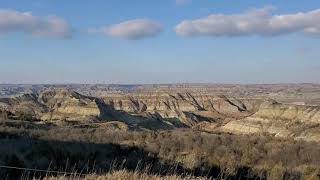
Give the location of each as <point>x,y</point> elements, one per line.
<point>125,175</point>
<point>261,155</point>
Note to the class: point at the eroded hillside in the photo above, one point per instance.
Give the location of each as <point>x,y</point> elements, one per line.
<point>170,110</point>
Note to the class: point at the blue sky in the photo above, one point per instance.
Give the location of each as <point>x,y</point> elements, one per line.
<point>146,41</point>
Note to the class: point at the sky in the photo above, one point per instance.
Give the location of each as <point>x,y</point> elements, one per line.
<point>159,41</point>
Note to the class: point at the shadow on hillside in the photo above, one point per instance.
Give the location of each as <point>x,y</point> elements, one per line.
<point>153,122</point>
<point>86,158</point>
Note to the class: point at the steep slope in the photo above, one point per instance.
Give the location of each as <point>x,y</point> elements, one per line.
<point>24,106</point>
<point>169,111</point>
<point>281,120</point>
<point>188,108</point>
<point>152,111</point>
<point>68,105</point>
<point>51,105</point>
<point>278,111</point>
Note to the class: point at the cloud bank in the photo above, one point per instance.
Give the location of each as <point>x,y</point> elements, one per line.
<point>255,22</point>
<point>51,26</point>
<point>132,30</point>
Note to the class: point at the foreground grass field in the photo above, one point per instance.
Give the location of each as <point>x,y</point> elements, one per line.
<point>84,149</point>
<point>123,174</point>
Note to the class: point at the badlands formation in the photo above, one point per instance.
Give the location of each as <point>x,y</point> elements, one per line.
<point>256,109</point>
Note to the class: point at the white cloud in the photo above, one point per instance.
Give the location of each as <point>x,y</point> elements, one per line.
<point>131,30</point>
<point>50,26</point>
<point>255,22</point>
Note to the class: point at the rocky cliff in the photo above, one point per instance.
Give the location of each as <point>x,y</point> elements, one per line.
<point>185,106</point>
<point>281,120</point>
<point>52,105</point>
<point>210,113</point>
<point>180,109</point>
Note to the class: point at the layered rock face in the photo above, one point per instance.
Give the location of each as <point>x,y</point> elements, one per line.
<point>210,113</point>
<point>278,111</point>
<point>179,105</point>
<point>24,105</point>
<point>281,120</point>
<point>68,105</point>
<point>179,109</point>
<point>52,105</point>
